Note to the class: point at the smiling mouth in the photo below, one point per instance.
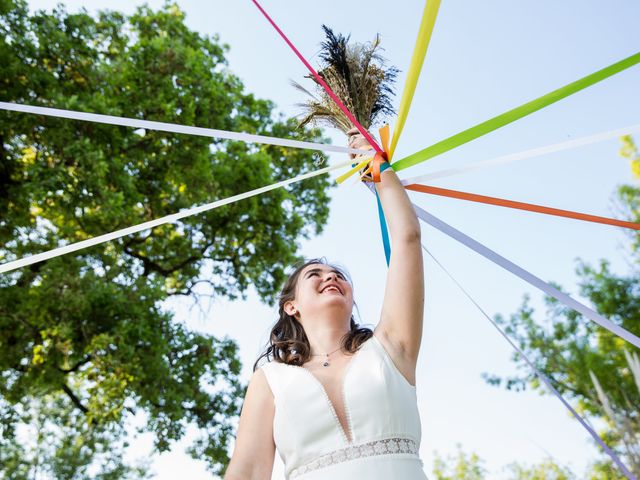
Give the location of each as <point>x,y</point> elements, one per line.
<point>331,288</point>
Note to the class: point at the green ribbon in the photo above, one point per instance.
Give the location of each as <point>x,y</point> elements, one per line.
<point>514,114</point>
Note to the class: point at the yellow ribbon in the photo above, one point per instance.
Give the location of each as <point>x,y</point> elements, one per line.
<point>346,175</point>
<point>419,53</point>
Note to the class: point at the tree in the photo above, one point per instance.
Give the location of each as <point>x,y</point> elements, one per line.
<point>547,470</point>
<point>469,466</point>
<point>589,365</point>
<point>459,466</point>
<point>84,343</point>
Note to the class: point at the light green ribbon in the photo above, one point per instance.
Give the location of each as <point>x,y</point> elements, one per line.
<point>514,114</point>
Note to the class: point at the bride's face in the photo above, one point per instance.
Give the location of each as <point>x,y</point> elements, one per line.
<point>322,287</point>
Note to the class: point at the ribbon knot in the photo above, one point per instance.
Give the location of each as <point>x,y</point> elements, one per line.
<point>381,157</point>
<point>372,165</point>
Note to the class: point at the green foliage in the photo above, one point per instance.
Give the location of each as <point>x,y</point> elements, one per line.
<point>586,363</point>
<point>84,343</point>
<point>547,470</point>
<point>469,466</point>
<point>604,470</point>
<point>458,467</point>
<point>630,152</point>
<point>629,195</point>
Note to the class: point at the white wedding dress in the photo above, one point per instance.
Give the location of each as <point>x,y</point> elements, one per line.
<point>383,419</point>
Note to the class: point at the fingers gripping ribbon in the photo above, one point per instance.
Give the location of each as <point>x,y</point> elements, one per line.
<point>370,168</point>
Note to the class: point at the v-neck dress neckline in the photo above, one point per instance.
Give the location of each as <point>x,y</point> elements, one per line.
<point>381,418</point>
<point>347,436</point>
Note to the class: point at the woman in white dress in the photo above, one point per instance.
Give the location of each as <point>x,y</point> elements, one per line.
<point>338,401</point>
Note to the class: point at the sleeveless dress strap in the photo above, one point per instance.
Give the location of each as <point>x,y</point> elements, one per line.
<point>389,361</point>
<point>274,377</point>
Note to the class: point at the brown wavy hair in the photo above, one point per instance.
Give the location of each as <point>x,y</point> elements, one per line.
<point>288,342</point>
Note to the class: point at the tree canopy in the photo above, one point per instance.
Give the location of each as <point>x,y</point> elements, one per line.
<point>597,370</point>
<point>469,466</point>
<point>85,345</point>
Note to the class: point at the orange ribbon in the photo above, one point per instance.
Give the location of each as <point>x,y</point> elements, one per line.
<point>521,205</point>
<point>373,164</point>
<point>379,158</point>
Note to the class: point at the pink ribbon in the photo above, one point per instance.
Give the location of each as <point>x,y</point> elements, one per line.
<point>326,87</point>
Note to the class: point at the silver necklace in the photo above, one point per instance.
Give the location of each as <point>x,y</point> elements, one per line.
<point>326,361</point>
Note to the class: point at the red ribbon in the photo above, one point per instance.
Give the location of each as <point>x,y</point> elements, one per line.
<point>326,87</point>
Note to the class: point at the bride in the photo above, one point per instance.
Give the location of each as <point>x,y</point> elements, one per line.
<point>337,400</point>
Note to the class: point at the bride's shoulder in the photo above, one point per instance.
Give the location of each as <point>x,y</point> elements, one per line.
<point>259,382</point>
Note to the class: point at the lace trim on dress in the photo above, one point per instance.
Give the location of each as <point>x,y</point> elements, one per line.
<point>377,447</point>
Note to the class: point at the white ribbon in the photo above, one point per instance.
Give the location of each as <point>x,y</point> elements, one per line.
<point>543,378</point>
<point>526,276</point>
<point>174,128</point>
<point>56,252</point>
<point>534,152</point>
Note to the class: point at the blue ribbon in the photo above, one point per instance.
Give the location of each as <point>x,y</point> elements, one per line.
<point>383,228</point>
<point>383,222</point>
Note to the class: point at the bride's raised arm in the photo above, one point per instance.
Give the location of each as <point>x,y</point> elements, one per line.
<point>403,305</point>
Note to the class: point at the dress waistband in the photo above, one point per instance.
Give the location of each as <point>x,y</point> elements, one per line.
<point>386,446</point>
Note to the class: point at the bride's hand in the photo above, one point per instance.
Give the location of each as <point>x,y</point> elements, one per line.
<point>357,140</point>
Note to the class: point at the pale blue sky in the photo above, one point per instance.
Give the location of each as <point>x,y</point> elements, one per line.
<point>485,58</point>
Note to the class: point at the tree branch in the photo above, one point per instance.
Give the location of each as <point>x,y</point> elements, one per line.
<point>151,266</point>
<point>84,361</point>
<point>74,399</point>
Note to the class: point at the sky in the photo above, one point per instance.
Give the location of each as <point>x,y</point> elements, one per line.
<point>484,58</point>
